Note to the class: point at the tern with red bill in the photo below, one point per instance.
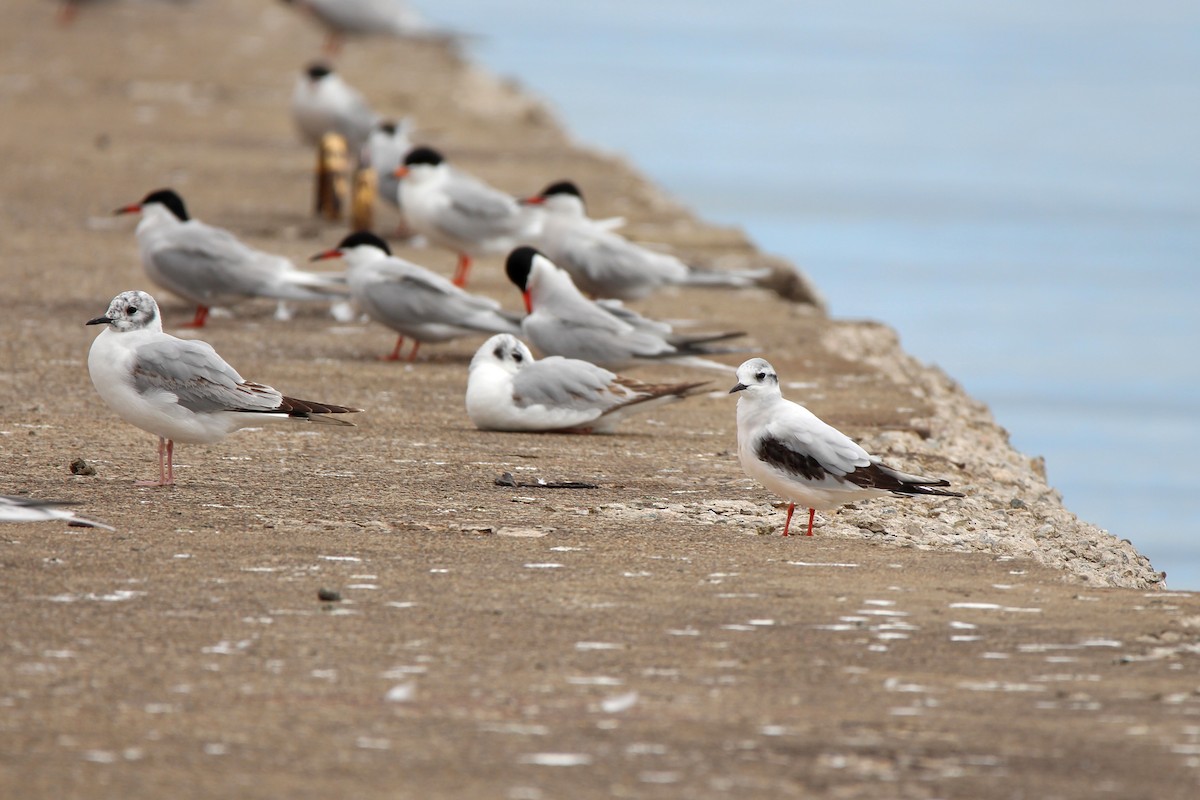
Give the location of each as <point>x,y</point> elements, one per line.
<point>209,266</point>
<point>509,390</point>
<point>180,389</point>
<point>787,449</point>
<point>562,322</point>
<point>461,213</point>
<point>604,263</point>
<point>414,302</point>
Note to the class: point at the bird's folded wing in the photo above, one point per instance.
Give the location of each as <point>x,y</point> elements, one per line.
<point>199,378</point>
<point>565,383</point>
<point>802,444</point>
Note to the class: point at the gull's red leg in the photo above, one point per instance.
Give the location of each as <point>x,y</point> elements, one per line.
<point>170,463</point>
<point>413,355</point>
<point>812,512</point>
<point>162,467</point>
<point>788,524</point>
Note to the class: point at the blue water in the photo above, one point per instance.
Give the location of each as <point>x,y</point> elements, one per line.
<point>1015,188</point>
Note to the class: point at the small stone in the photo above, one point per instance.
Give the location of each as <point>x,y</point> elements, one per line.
<point>81,467</point>
<point>1016,502</point>
<point>329,595</point>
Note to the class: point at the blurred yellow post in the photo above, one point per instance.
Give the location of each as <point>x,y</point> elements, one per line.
<point>332,181</point>
<point>362,199</point>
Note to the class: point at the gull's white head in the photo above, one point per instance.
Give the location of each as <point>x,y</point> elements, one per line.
<point>505,351</point>
<point>756,378</point>
<point>130,311</point>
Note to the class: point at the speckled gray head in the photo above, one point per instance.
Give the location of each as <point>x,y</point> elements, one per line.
<point>504,349</point>
<point>130,311</point>
<point>756,374</point>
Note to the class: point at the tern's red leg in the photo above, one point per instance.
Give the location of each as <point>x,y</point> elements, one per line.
<point>395,356</point>
<point>413,355</point>
<point>200,318</point>
<point>460,272</point>
<point>812,512</point>
<point>788,524</point>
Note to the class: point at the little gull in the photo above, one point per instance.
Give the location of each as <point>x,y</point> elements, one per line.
<point>180,389</point>
<point>785,447</point>
<point>507,390</point>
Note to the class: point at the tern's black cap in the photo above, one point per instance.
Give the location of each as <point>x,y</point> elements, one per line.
<point>363,238</point>
<point>423,155</point>
<point>519,264</point>
<point>317,70</point>
<point>171,200</point>
<point>562,187</point>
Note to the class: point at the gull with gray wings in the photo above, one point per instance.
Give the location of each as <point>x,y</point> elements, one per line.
<point>180,389</point>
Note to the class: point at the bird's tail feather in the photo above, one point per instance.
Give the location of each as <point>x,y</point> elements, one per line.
<point>718,279</point>
<point>315,412</point>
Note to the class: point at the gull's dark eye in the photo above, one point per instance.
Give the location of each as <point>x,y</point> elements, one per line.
<point>131,310</point>
<point>498,353</point>
<point>762,376</point>
<point>517,357</point>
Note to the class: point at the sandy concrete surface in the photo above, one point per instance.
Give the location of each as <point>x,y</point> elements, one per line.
<point>652,637</point>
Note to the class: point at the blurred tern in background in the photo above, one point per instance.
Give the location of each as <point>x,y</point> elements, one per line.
<point>411,300</point>
<point>209,266</point>
<point>459,212</point>
<point>342,18</point>
<point>180,389</point>
<point>507,390</point>
<point>787,449</point>
<point>324,103</point>
<point>605,264</point>
<point>387,145</point>
<point>563,322</point>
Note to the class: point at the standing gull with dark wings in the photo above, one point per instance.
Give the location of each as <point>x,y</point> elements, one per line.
<point>786,448</point>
